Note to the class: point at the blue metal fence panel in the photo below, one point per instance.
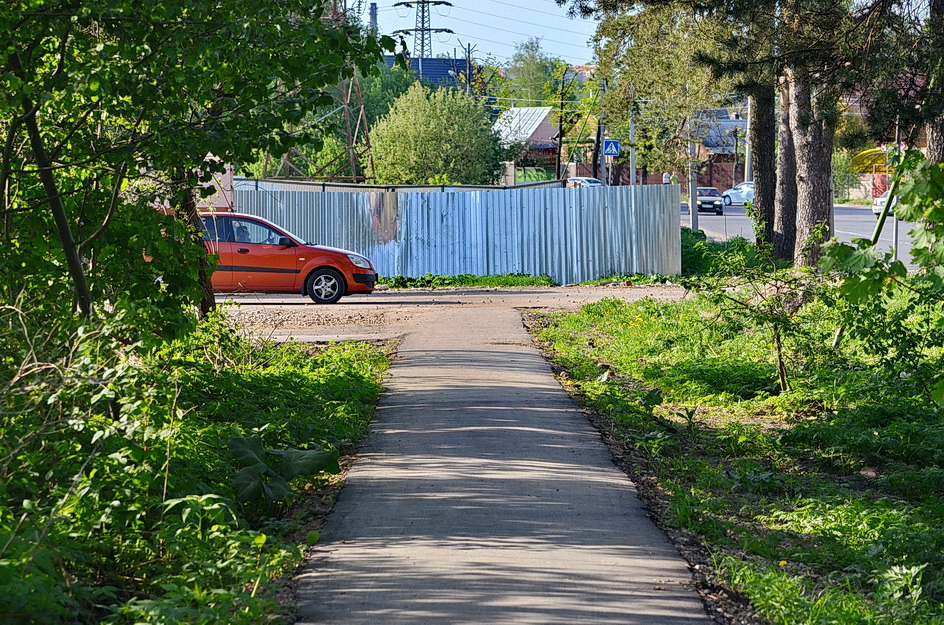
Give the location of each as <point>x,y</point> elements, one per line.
<point>569,234</point>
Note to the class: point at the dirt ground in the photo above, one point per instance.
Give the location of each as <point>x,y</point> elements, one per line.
<point>388,314</point>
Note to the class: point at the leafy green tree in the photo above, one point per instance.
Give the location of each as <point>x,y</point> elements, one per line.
<point>648,56</point>
<point>111,108</point>
<point>381,89</point>
<point>819,50</point>
<point>531,76</point>
<point>429,134</point>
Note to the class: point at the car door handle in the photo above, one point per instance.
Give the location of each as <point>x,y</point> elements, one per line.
<point>243,250</point>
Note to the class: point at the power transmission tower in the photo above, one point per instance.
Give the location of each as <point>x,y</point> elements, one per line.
<point>422,45</point>
<point>349,102</point>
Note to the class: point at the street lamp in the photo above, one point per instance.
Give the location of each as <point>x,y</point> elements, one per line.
<point>455,77</point>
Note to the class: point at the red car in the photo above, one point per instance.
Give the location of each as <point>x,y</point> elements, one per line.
<point>256,255</point>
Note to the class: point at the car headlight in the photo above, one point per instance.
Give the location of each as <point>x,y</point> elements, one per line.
<point>717,202</point>
<point>359,261</point>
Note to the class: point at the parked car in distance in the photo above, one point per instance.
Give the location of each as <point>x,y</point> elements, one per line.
<point>581,181</point>
<point>709,199</point>
<point>879,203</point>
<point>256,255</point>
<point>739,194</point>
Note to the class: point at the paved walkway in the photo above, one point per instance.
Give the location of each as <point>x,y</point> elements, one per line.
<point>484,496</point>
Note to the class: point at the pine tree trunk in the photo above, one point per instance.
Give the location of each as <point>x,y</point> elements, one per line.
<point>934,129</point>
<point>813,142</point>
<point>764,141</point>
<point>784,236</point>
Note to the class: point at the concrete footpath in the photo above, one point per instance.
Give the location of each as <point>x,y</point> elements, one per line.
<point>483,495</point>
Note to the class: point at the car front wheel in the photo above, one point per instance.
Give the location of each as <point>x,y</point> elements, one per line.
<point>727,200</point>
<point>325,286</point>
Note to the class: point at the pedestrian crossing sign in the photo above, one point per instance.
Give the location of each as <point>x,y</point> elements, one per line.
<point>611,147</point>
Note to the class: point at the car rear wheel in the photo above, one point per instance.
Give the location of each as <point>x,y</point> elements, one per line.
<point>325,286</point>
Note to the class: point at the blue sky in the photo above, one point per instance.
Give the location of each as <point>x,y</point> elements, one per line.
<point>493,27</point>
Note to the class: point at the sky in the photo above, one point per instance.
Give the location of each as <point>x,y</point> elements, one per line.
<point>494,27</point>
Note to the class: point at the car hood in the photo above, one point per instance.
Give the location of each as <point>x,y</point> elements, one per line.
<point>334,249</point>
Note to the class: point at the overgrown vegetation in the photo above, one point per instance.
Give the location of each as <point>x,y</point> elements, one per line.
<point>792,421</point>
<point>136,485</point>
<point>430,281</point>
<point>831,489</point>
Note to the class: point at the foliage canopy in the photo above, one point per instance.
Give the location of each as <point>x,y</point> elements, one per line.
<point>436,136</point>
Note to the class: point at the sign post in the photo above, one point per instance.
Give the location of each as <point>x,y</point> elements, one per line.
<point>611,148</point>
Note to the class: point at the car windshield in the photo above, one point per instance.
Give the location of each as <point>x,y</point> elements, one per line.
<point>708,191</point>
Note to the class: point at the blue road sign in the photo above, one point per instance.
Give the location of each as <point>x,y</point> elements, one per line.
<point>611,147</point>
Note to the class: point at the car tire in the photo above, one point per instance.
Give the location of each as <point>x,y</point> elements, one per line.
<point>325,286</point>
<point>727,200</point>
<point>719,212</point>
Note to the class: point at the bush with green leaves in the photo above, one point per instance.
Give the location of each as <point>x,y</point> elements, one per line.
<point>431,135</point>
<point>821,503</point>
<point>121,496</point>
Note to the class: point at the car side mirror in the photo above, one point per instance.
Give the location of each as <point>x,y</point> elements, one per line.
<point>286,242</point>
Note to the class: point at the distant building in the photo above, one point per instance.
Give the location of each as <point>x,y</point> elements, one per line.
<point>437,70</point>
<point>722,148</point>
<point>723,135</point>
<point>531,125</point>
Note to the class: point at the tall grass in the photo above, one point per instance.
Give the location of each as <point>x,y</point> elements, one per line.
<point>823,503</point>
<point>119,501</point>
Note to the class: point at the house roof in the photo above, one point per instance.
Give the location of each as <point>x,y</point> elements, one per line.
<point>436,70</point>
<point>722,135</point>
<point>522,124</point>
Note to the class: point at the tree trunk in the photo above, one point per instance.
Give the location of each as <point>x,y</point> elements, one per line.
<point>188,213</point>
<point>764,142</point>
<point>54,199</point>
<point>44,166</point>
<point>934,129</point>
<point>813,142</point>
<point>785,209</point>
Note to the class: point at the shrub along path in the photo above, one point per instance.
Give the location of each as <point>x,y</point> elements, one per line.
<point>484,495</point>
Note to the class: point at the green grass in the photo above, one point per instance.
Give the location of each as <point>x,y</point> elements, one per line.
<point>822,504</point>
<point>464,280</point>
<point>122,496</point>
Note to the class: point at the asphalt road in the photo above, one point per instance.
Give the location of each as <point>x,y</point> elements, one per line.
<point>851,222</point>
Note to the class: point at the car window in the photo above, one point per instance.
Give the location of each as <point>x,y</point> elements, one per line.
<point>213,228</point>
<point>249,231</point>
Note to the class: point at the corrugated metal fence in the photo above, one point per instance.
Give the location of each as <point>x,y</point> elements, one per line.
<point>571,235</point>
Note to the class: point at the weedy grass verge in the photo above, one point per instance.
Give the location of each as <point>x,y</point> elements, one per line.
<point>155,485</point>
<point>818,497</point>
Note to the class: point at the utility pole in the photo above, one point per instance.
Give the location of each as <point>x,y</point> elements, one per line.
<point>560,129</point>
<point>601,133</point>
<point>692,187</point>
<point>632,136</point>
<point>748,156</point>
<point>422,45</point>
